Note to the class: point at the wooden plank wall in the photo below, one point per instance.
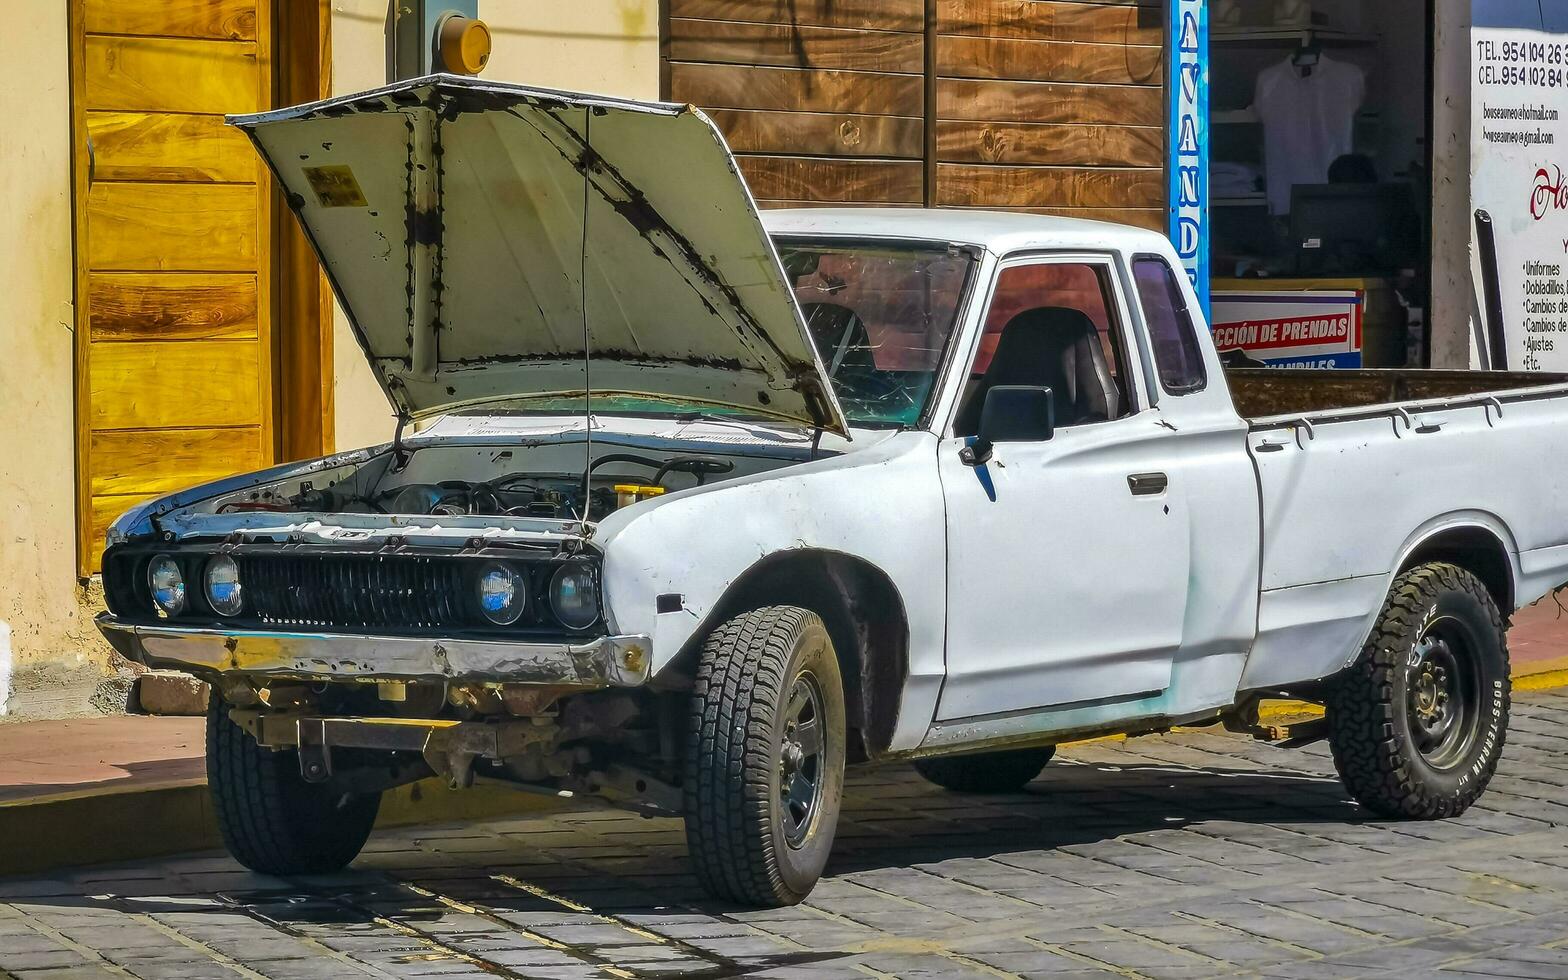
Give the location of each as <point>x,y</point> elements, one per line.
<point>174,230</point>
<point>1055,106</point>
<point>1052,105</point>
<point>823,101</point>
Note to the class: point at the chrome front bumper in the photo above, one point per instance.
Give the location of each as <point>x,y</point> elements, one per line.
<point>619,661</point>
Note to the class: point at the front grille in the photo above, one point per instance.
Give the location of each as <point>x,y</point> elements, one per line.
<point>357,592</point>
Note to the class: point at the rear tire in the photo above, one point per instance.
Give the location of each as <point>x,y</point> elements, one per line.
<point>765,752</point>
<point>1417,724</point>
<point>986,772</point>
<point>271,820</point>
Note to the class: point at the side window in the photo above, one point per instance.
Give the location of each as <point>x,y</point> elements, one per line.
<point>1052,325</point>
<point>1177,357</point>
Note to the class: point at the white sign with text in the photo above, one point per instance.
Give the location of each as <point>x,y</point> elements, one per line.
<point>1519,175</point>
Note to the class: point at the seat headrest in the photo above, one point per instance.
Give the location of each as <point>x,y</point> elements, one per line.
<point>1057,347</point>
<point>1034,335</point>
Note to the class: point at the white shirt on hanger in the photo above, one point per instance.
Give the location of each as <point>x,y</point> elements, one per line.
<point>1308,122</point>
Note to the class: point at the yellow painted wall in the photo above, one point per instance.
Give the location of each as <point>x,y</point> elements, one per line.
<point>605,46</point>
<point>47,643</point>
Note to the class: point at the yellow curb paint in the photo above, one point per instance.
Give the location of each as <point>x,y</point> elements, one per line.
<point>1277,711</point>
<point>1543,681</point>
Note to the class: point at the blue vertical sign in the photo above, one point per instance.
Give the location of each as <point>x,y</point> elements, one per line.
<point>1188,140</point>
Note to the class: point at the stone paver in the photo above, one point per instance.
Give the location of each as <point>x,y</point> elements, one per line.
<point>1197,854</point>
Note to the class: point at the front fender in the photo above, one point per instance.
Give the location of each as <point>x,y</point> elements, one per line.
<point>882,504</point>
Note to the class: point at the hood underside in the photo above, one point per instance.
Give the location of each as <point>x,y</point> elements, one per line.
<point>492,243</point>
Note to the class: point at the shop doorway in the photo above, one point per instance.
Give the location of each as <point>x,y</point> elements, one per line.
<point>1320,147</point>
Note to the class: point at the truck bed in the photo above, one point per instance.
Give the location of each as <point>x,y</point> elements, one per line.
<point>1266,392</point>
<point>1356,468</point>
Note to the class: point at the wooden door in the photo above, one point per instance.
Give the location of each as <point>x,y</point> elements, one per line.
<point>174,251</point>
<point>1055,106</point>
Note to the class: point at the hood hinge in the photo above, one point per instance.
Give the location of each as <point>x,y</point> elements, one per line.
<point>401,454</point>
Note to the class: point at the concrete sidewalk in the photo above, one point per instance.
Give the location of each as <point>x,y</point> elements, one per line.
<point>47,758</point>
<point>75,786</point>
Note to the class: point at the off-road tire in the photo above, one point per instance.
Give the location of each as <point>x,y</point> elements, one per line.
<point>271,820</point>
<point>986,772</point>
<point>736,824</point>
<point>1371,730</point>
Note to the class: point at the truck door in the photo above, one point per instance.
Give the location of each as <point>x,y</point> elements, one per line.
<point>1069,557</point>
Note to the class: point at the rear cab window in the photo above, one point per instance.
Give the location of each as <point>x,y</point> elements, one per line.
<point>1178,357</point>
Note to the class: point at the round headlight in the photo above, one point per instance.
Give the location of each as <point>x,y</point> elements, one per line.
<point>223,586</point>
<point>574,596</point>
<point>503,594</point>
<point>167,584</point>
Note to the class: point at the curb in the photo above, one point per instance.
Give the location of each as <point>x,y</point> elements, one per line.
<point>95,826</point>
<point>1544,681</point>
<point>104,824</point>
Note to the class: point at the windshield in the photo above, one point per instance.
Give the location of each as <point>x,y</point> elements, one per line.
<point>880,317</point>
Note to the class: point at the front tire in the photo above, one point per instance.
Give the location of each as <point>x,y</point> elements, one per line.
<point>764,771</point>
<point>1417,724</point>
<point>986,772</point>
<point>271,820</point>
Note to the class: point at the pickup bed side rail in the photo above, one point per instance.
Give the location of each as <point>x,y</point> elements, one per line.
<point>1408,410</point>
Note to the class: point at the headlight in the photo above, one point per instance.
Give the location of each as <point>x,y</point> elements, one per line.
<point>223,586</point>
<point>503,594</point>
<point>574,595</point>
<point>167,583</point>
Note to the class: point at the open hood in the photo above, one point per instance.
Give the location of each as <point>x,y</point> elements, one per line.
<point>456,225</point>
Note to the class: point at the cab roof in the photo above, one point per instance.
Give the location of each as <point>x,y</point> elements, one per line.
<point>1000,232</point>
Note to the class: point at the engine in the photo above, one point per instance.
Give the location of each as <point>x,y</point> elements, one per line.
<point>558,497</point>
<point>614,481</point>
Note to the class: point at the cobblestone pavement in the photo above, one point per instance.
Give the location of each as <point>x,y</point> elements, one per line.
<point>1192,855</point>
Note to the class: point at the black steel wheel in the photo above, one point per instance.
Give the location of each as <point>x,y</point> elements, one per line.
<point>1443,692</point>
<point>1418,723</point>
<point>765,755</point>
<point>986,772</point>
<point>802,760</point>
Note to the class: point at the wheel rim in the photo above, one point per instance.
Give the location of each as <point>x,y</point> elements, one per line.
<point>1442,685</point>
<point>800,766</point>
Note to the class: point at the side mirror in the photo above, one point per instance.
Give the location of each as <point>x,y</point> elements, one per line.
<point>1012,413</point>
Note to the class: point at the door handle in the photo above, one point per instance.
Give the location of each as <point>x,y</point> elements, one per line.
<point>1271,447</point>
<point>1147,484</point>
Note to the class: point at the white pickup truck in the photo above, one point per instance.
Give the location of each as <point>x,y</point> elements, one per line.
<point>689,508</point>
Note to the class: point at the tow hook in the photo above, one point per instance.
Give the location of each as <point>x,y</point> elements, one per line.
<point>315,755</point>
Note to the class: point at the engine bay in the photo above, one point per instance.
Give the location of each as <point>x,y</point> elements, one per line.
<point>546,480</point>
<point>556,496</point>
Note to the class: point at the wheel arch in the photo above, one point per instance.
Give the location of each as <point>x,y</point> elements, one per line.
<point>1342,623</point>
<point>1478,542</point>
<point>865,617</point>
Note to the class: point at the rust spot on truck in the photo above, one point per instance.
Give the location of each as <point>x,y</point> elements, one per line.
<point>424,226</point>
